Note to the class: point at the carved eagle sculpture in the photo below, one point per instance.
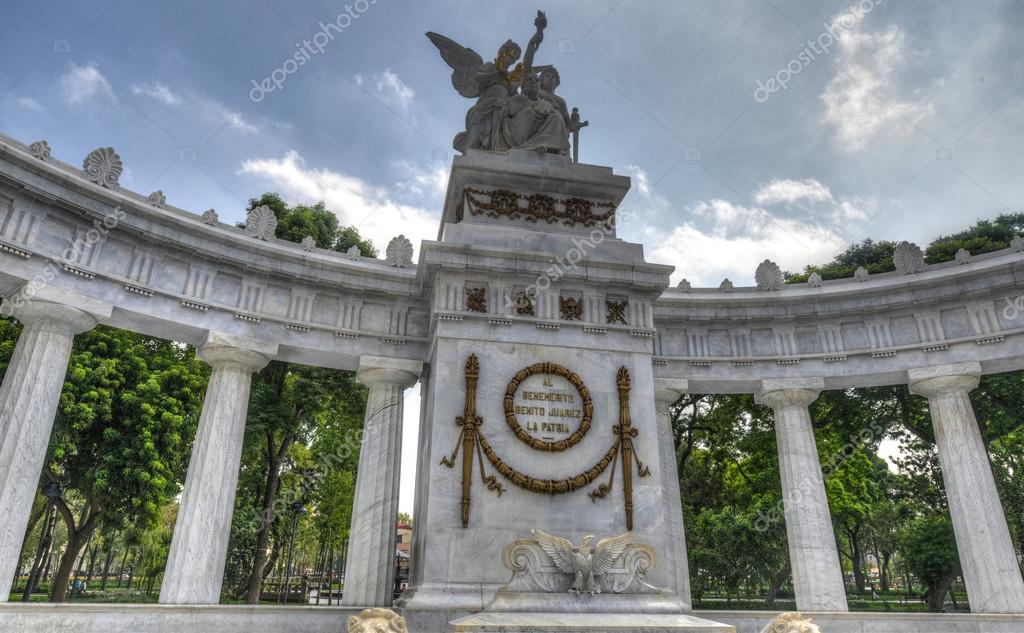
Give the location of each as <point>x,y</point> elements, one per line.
<point>584,563</point>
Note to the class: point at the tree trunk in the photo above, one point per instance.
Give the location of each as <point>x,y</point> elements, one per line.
<point>886,580</point>
<point>259,564</point>
<point>937,594</point>
<point>857,561</point>
<point>45,539</point>
<point>32,521</point>
<point>106,564</point>
<point>124,563</point>
<point>91,569</point>
<point>77,539</point>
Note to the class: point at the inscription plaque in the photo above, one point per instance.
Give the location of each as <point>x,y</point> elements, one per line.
<point>548,407</point>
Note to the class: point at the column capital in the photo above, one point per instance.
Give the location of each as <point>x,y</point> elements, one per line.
<point>375,370</point>
<point>220,349</point>
<point>53,316</point>
<point>788,392</point>
<point>668,390</point>
<point>944,379</point>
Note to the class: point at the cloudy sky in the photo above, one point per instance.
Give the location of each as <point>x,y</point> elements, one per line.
<point>784,129</point>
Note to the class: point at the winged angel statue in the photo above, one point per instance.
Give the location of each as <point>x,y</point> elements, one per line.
<point>584,563</point>
<point>516,105</point>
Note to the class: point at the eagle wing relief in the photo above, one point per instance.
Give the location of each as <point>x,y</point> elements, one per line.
<point>464,62</point>
<point>559,549</point>
<point>608,551</point>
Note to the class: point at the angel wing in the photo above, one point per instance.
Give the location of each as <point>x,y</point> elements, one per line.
<point>465,64</point>
<point>559,549</point>
<point>608,551</point>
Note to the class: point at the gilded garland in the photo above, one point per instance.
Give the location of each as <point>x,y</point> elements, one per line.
<point>473,443</point>
<point>550,369</point>
<point>502,203</point>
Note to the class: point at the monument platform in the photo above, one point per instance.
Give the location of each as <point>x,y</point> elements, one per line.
<point>585,622</point>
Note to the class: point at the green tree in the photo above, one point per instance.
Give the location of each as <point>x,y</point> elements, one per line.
<point>122,434</point>
<point>929,549</point>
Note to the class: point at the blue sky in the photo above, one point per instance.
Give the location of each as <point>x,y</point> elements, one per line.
<point>899,119</point>
<point>907,125</point>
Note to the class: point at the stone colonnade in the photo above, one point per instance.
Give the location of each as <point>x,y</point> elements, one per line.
<point>34,379</point>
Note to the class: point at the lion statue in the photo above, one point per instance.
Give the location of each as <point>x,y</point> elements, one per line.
<point>791,623</point>
<point>377,621</point>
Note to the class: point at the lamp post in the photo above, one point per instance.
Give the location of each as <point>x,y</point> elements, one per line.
<point>297,509</point>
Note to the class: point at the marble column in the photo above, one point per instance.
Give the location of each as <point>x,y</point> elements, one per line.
<point>989,563</point>
<point>666,393</point>
<point>195,564</point>
<point>28,403</point>
<point>370,571</point>
<point>813,556</point>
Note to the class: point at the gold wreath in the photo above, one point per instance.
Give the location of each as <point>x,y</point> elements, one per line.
<point>553,370</point>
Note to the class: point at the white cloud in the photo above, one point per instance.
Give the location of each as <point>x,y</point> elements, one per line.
<point>85,83</point>
<point>370,209</point>
<point>29,103</point>
<point>784,190</point>
<point>864,99</point>
<point>236,121</point>
<point>740,238</point>
<point>793,223</point>
<point>391,89</point>
<point>428,179</point>
<point>158,91</point>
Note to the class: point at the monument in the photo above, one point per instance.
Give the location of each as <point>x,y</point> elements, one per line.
<point>549,352</point>
<point>538,410</point>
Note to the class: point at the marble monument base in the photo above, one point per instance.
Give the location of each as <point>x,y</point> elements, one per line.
<point>491,622</point>
<point>519,602</point>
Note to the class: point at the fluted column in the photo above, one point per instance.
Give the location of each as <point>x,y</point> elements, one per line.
<point>813,556</point>
<point>666,393</point>
<point>989,563</point>
<point>195,564</point>
<point>28,403</point>
<point>370,571</point>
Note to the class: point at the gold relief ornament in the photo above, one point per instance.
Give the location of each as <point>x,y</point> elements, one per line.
<point>524,304</point>
<point>571,308</point>
<point>476,299</point>
<point>470,423</point>
<point>616,312</point>
<point>548,369</point>
<point>472,441</point>
<point>502,203</point>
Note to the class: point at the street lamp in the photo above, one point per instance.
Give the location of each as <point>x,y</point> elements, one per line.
<point>297,510</point>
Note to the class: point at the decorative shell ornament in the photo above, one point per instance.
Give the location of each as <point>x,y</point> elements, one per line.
<point>157,199</point>
<point>308,243</point>
<point>908,258</point>
<point>210,217</point>
<point>861,274</point>
<point>1017,243</point>
<point>261,223</point>
<point>768,276</point>
<point>353,253</point>
<point>103,166</point>
<point>685,286</point>
<point>377,620</point>
<point>791,623</point>
<point>726,286</point>
<point>399,252</point>
<point>40,150</point>
<point>815,280</point>
<point>963,256</point>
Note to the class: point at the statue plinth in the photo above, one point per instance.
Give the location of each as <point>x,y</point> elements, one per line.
<point>535,191</point>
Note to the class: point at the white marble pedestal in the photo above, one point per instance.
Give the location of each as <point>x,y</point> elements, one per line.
<point>584,622</point>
